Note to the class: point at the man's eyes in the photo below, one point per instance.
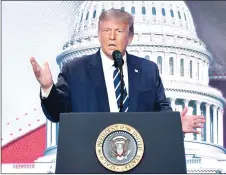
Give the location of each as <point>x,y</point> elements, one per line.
<point>108,30</point>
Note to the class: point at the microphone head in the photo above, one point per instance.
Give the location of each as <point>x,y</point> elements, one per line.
<point>116,54</point>
<point>117,57</point>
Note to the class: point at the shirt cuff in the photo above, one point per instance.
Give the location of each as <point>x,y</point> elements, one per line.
<point>45,94</point>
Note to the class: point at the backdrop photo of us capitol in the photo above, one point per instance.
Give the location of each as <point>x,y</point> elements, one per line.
<point>164,33</point>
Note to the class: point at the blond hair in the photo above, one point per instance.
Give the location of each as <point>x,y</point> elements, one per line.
<point>119,15</point>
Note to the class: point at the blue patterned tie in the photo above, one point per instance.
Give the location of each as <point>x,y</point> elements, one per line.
<point>117,84</point>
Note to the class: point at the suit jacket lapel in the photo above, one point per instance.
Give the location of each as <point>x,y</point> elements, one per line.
<point>96,75</point>
<point>133,78</point>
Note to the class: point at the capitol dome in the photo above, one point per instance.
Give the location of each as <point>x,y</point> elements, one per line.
<point>164,34</point>
<point>151,17</point>
<point>164,22</point>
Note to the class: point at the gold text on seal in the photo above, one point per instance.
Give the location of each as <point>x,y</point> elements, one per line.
<point>119,147</point>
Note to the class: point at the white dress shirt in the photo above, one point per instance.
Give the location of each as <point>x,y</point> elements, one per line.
<point>108,70</point>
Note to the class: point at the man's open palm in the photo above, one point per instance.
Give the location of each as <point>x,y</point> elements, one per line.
<point>43,75</point>
<point>191,122</point>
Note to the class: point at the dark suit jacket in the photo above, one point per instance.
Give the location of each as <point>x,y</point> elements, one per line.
<point>81,88</point>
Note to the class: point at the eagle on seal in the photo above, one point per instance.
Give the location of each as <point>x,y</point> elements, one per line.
<point>119,147</point>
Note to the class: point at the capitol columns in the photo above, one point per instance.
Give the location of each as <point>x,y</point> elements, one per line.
<point>51,134</point>
<point>186,102</point>
<point>207,122</point>
<point>165,63</point>
<point>173,103</point>
<point>206,75</point>
<point>215,134</point>
<point>186,68</point>
<point>198,112</point>
<point>48,133</point>
<point>220,127</point>
<point>54,134</point>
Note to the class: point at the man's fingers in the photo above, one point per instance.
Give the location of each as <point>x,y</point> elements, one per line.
<point>199,117</point>
<point>185,110</point>
<point>36,69</point>
<point>33,61</point>
<point>199,120</point>
<point>198,125</point>
<point>35,66</point>
<point>46,66</point>
<point>195,117</point>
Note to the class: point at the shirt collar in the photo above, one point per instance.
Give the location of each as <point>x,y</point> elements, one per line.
<point>107,62</point>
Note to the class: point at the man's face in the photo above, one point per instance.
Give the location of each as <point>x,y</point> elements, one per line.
<point>114,35</point>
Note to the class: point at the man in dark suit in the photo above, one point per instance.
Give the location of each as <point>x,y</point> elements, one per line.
<point>91,83</point>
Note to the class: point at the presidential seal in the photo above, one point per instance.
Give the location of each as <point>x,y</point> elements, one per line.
<point>119,147</point>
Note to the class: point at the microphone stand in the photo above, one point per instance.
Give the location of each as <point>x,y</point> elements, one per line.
<point>118,63</point>
<point>121,87</point>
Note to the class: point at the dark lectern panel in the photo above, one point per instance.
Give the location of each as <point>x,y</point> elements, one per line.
<point>161,133</point>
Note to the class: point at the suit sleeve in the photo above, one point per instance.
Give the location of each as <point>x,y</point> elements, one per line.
<point>161,103</point>
<point>59,99</point>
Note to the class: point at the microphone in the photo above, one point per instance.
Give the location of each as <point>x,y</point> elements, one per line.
<point>117,57</point>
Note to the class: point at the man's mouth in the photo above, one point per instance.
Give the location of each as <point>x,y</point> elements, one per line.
<point>112,45</point>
